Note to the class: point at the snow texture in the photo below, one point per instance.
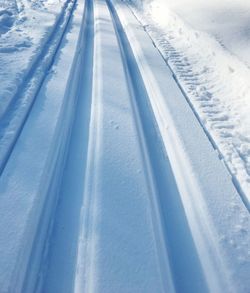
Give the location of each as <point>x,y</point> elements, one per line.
<point>109,182</point>
<point>206,45</point>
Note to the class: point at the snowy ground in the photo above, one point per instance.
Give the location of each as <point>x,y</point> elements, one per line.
<point>24,27</point>
<point>206,44</point>
<point>108,181</point>
<point>226,20</point>
<point>29,36</point>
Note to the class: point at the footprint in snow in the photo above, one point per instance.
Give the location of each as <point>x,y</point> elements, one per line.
<point>16,47</point>
<point>6,21</point>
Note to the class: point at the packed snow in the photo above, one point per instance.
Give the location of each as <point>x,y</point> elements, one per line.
<point>206,43</point>
<point>124,146</point>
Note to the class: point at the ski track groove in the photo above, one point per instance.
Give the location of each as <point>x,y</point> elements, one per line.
<point>170,228</point>
<point>179,74</point>
<point>157,169</point>
<point>180,67</point>
<point>67,214</point>
<point>22,102</point>
<point>38,261</point>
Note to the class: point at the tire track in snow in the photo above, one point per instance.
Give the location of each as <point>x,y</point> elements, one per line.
<point>217,116</point>
<point>212,114</point>
<point>17,111</point>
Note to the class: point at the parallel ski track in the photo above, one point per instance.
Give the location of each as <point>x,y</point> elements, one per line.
<point>17,112</point>
<point>167,211</point>
<point>60,260</point>
<point>174,224</point>
<point>168,214</point>
<point>78,87</point>
<point>179,69</point>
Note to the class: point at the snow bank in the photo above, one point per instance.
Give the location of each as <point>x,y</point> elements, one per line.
<point>226,20</point>
<point>216,82</point>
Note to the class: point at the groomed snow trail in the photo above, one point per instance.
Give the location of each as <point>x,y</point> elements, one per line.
<point>213,79</point>
<point>107,187</point>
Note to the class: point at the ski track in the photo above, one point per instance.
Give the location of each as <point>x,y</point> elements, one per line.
<point>200,86</point>
<point>18,109</point>
<point>110,170</point>
<point>160,170</point>
<point>60,260</point>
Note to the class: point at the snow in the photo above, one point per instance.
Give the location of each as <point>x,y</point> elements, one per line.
<point>226,20</point>
<point>28,196</point>
<point>24,27</point>
<point>27,55</point>
<point>208,55</point>
<point>205,190</point>
<point>122,171</point>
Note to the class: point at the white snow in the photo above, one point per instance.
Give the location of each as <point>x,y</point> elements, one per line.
<point>226,20</point>
<point>206,45</point>
<point>204,188</point>
<point>120,173</point>
<point>27,195</point>
<point>24,28</point>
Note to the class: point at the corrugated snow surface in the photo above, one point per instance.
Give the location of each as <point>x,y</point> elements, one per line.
<point>195,37</point>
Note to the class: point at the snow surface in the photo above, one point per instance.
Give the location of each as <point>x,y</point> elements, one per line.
<point>108,182</point>
<point>206,44</point>
<point>24,27</point>
<point>204,189</point>
<point>27,50</point>
<point>226,20</point>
